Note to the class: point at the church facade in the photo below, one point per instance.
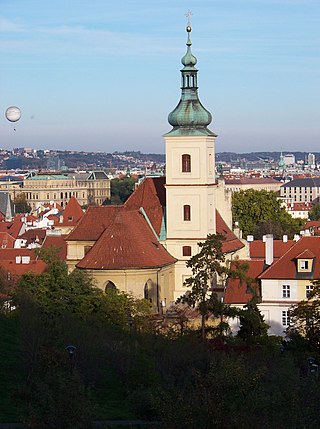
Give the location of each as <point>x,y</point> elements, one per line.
<point>142,247</point>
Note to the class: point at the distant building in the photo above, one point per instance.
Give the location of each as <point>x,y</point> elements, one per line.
<point>289,159</point>
<point>54,163</point>
<point>311,161</point>
<point>256,183</point>
<point>87,188</point>
<point>306,189</point>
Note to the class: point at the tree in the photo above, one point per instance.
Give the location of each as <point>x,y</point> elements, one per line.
<point>121,189</point>
<point>260,212</point>
<point>305,318</point>
<point>205,267</point>
<point>20,204</point>
<point>252,325</point>
<point>314,213</point>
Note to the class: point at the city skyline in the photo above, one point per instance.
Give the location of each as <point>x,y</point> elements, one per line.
<point>105,76</point>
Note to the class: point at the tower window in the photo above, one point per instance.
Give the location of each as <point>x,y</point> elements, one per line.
<point>186,212</point>
<point>186,251</point>
<point>186,163</point>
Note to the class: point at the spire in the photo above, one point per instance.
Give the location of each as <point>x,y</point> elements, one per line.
<point>189,117</point>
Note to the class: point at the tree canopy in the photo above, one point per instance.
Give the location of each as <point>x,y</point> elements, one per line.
<point>260,212</point>
<point>206,266</point>
<point>121,189</point>
<point>314,213</point>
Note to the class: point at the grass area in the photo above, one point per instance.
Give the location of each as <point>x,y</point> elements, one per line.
<point>11,371</point>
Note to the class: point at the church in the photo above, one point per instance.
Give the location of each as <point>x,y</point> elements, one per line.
<point>142,246</point>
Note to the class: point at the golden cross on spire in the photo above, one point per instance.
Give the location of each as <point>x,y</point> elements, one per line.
<point>188,15</point>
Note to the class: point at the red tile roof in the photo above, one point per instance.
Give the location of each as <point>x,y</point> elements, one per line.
<point>251,181</point>
<point>257,248</point>
<point>232,242</point>
<point>306,254</point>
<point>128,242</point>
<point>285,267</point>
<point>58,242</point>
<point>34,235</point>
<point>237,292</point>
<point>10,254</point>
<point>15,269</point>
<point>151,195</point>
<point>13,227</point>
<point>6,240</point>
<point>95,221</point>
<point>72,213</point>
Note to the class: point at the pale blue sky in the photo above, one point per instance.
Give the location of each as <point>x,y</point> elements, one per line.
<point>103,75</point>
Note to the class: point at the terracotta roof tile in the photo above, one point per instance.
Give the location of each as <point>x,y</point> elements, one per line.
<point>10,254</point>
<point>6,240</point>
<point>306,254</point>
<point>95,221</point>
<point>15,269</point>
<point>58,242</point>
<point>232,242</point>
<point>237,293</point>
<point>285,267</point>
<point>72,213</point>
<point>151,195</point>
<point>128,242</point>
<point>257,248</point>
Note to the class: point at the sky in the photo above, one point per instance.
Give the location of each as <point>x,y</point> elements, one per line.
<point>103,75</point>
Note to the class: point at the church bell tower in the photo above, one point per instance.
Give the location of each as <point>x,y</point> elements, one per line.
<point>190,170</point>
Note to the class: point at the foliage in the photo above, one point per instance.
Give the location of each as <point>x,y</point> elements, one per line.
<point>252,326</point>
<point>20,204</point>
<point>260,212</point>
<point>314,213</point>
<point>205,266</point>
<point>305,318</point>
<point>121,189</point>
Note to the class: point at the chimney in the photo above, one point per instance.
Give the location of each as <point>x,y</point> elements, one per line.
<point>269,249</point>
<point>285,238</point>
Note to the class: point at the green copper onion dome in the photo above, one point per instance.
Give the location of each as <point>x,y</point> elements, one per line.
<point>189,117</point>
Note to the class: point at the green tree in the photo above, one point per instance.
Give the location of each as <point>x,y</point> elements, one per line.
<point>121,189</point>
<point>20,204</point>
<point>314,213</point>
<point>252,325</point>
<point>260,212</point>
<point>205,267</point>
<point>305,318</point>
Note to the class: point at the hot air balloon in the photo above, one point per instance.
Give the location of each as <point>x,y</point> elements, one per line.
<point>13,114</point>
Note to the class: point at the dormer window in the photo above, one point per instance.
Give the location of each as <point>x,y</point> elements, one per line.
<point>304,265</point>
<point>186,163</point>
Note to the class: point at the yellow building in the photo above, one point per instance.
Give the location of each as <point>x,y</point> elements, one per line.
<point>87,188</point>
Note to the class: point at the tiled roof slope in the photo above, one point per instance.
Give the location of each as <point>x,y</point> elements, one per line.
<point>236,292</point>
<point>258,248</point>
<point>6,240</point>
<point>13,228</point>
<point>308,182</point>
<point>72,213</point>
<point>151,195</point>
<point>231,243</point>
<point>128,242</point>
<point>58,242</point>
<point>285,267</point>
<point>33,266</point>
<point>95,221</point>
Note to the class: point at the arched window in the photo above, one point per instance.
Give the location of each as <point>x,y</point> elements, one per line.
<point>186,251</point>
<point>186,212</point>
<point>186,163</point>
<point>110,286</point>
<point>148,290</point>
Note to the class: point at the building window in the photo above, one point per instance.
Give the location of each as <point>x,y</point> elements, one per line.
<point>186,163</point>
<point>304,265</point>
<point>186,251</point>
<point>110,286</point>
<point>309,289</point>
<point>186,212</point>
<point>285,318</point>
<point>285,291</point>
